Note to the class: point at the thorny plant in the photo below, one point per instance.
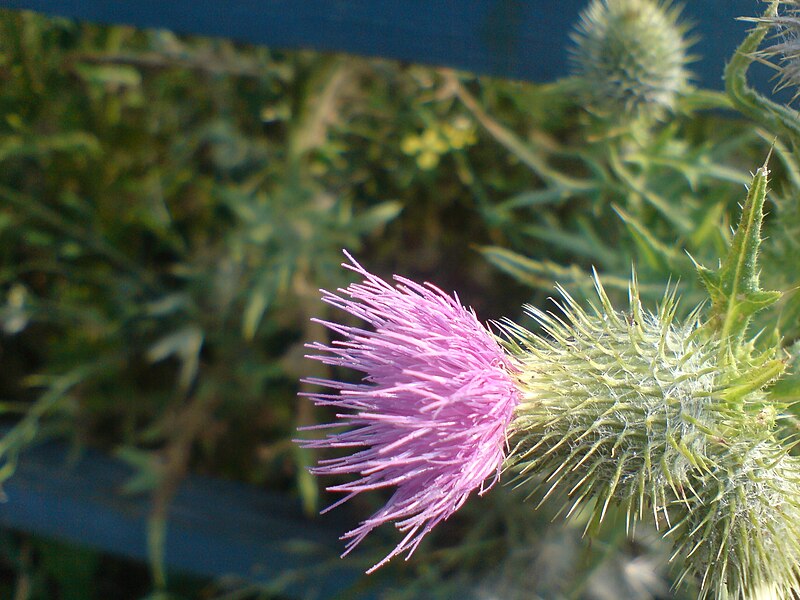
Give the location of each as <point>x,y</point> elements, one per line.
<point>671,418</point>
<point>168,252</point>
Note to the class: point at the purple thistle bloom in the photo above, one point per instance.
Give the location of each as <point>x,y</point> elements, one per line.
<point>431,415</point>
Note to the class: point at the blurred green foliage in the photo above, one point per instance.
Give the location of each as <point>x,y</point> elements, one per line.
<point>169,207</point>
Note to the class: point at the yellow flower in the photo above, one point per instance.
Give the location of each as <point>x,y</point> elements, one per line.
<point>427,147</point>
<point>460,134</point>
<point>436,141</point>
<point>427,160</point>
<point>411,145</point>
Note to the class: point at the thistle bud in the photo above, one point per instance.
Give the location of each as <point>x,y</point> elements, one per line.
<point>630,56</point>
<point>739,532</point>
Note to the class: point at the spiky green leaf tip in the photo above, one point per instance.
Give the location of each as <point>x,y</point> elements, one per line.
<point>734,288</point>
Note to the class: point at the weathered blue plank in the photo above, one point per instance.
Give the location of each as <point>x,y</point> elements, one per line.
<point>216,528</point>
<point>518,39</point>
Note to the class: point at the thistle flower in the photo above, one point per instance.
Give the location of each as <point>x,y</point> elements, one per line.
<point>431,415</point>
<point>631,57</point>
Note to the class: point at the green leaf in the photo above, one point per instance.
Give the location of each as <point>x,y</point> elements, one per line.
<point>787,389</point>
<point>638,186</point>
<point>535,198</point>
<point>75,142</point>
<point>708,229</point>
<point>185,344</point>
<point>535,273</point>
<point>257,304</point>
<point>541,274</point>
<point>585,242</point>
<point>753,380</point>
<point>377,216</point>
<point>658,255</point>
<point>734,287</point>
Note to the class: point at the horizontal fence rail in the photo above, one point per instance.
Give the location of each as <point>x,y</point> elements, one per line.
<point>516,39</point>
<point>215,528</point>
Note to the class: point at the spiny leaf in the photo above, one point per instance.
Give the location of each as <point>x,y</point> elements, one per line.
<point>787,389</point>
<point>734,287</point>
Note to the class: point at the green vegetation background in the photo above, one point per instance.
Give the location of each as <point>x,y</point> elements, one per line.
<point>170,206</point>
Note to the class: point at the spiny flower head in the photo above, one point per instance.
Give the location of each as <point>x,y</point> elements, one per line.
<point>430,418</point>
<point>644,411</point>
<point>613,404</point>
<point>631,57</point>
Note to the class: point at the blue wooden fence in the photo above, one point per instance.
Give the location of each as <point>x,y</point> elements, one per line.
<point>216,528</point>
<point>517,39</point>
